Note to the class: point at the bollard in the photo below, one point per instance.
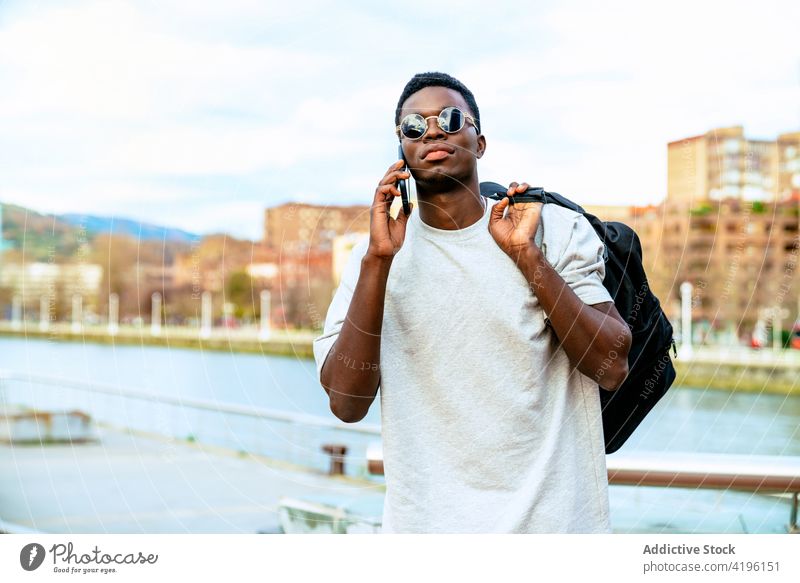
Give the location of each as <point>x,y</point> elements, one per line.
<point>337,452</point>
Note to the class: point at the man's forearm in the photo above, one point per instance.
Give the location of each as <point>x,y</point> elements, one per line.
<point>595,342</point>
<point>351,372</point>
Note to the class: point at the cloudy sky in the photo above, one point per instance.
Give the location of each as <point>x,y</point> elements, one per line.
<point>199,114</point>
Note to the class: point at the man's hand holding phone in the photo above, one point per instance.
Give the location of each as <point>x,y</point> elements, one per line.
<point>386,234</point>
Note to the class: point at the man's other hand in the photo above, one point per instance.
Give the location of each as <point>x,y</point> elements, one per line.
<point>514,232</point>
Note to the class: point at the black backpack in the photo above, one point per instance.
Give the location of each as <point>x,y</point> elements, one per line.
<point>650,369</point>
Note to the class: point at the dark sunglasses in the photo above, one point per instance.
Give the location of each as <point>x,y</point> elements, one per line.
<point>450,119</point>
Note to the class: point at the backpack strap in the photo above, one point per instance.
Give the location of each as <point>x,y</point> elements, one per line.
<point>496,191</point>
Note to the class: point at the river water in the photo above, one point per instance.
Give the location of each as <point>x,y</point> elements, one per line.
<point>687,420</point>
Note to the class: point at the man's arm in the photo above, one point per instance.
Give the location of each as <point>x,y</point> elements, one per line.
<point>351,372</point>
<point>595,338</point>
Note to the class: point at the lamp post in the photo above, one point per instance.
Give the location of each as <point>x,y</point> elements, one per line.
<point>113,314</point>
<point>44,313</point>
<point>776,314</point>
<point>205,315</point>
<point>686,320</point>
<point>77,313</point>
<point>265,330</point>
<point>155,314</point>
<point>16,312</point>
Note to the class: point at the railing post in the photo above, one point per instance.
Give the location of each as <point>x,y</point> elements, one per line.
<point>44,313</point>
<point>205,315</point>
<point>16,312</point>
<point>77,314</point>
<point>265,331</point>
<point>155,314</point>
<point>685,350</point>
<point>113,314</point>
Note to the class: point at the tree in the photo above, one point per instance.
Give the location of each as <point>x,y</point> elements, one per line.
<point>239,291</point>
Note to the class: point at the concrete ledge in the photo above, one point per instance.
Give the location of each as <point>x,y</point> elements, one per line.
<point>280,346</point>
<point>43,427</point>
<point>750,377</point>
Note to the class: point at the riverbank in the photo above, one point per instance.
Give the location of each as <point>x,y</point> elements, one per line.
<point>719,368</point>
<point>280,342</point>
<point>741,369</point>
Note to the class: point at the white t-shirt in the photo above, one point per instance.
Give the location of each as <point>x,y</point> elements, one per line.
<point>485,425</point>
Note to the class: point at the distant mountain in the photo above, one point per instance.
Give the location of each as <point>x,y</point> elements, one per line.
<point>46,237</point>
<point>37,235</point>
<point>121,226</point>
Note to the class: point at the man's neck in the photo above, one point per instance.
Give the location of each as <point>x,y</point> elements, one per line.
<point>452,209</point>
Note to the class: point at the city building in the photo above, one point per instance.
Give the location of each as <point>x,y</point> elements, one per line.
<point>729,226</point>
<point>741,257</point>
<point>31,281</point>
<point>607,212</point>
<point>297,226</point>
<point>789,166</point>
<point>723,164</point>
<point>342,247</point>
<point>2,233</point>
<point>302,289</point>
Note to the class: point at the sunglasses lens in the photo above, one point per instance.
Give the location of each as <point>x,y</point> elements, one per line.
<point>413,126</point>
<point>451,119</point>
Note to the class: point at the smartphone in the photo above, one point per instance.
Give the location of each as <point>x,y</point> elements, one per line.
<point>403,184</point>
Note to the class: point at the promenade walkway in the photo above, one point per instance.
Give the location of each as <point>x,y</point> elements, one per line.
<point>136,483</point>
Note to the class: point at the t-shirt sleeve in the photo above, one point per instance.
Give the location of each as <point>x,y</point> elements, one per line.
<point>581,265</point>
<point>337,312</point>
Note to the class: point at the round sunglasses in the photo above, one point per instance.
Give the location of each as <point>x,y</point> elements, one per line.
<point>450,119</point>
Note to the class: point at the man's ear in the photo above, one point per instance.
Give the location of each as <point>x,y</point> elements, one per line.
<point>481,146</point>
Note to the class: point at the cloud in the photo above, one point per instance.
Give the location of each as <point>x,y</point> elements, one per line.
<point>165,109</point>
<point>109,60</point>
<point>590,111</point>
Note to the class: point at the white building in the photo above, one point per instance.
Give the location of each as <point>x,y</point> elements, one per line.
<point>31,281</point>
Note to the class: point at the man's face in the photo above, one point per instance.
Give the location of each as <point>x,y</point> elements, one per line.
<point>439,158</point>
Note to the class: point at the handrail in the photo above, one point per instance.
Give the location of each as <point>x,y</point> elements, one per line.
<point>762,474</point>
<point>13,528</point>
<point>204,404</point>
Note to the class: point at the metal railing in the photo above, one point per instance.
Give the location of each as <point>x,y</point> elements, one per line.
<point>772,475</point>
<point>12,528</point>
<point>202,404</point>
<point>293,437</point>
<point>762,474</point>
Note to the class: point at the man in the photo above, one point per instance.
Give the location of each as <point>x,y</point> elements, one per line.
<point>490,415</point>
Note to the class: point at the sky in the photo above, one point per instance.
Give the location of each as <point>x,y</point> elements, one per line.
<point>201,114</point>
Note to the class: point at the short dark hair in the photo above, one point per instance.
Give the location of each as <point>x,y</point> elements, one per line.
<point>436,79</point>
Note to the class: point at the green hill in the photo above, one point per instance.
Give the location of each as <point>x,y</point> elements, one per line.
<point>39,237</point>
